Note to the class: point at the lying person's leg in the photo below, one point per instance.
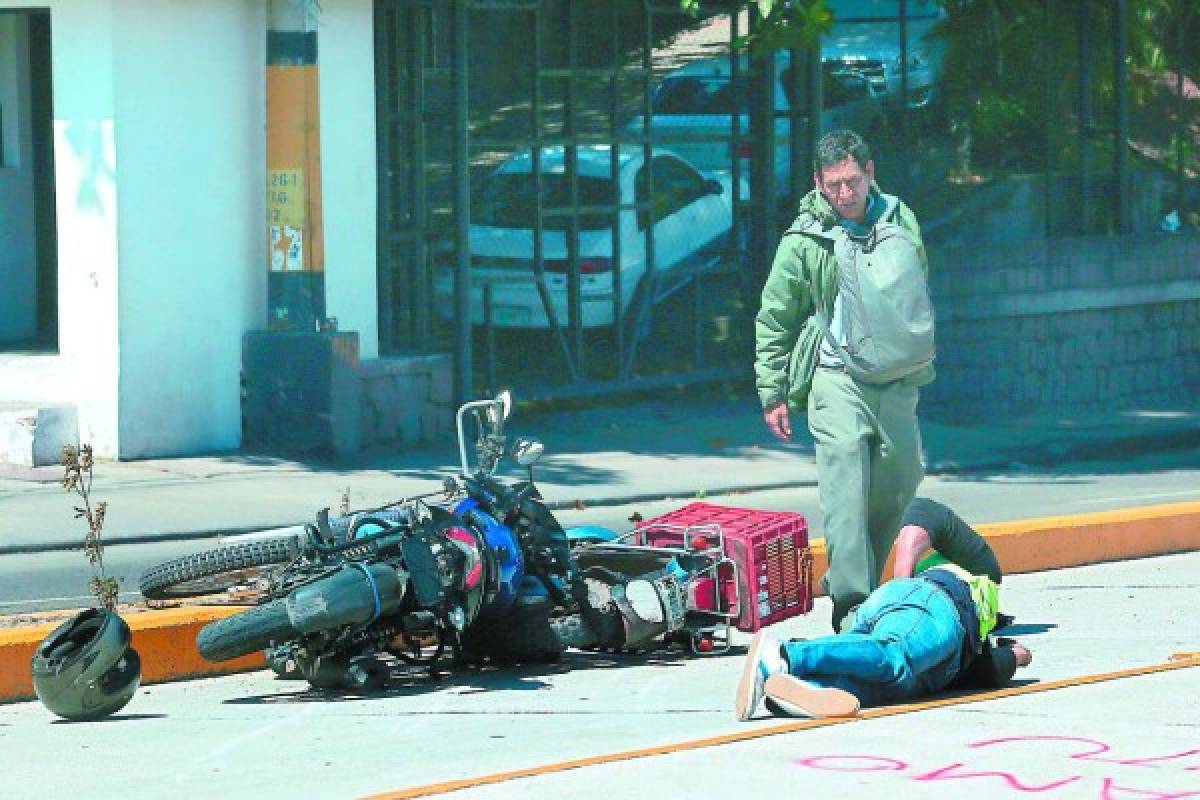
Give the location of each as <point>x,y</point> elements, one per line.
<point>815,698</point>
<point>766,660</point>
<point>896,631</point>
<point>901,650</point>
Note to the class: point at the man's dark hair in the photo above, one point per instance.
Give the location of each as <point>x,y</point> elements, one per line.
<point>836,146</point>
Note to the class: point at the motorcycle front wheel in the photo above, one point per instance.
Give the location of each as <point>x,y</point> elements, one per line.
<point>211,571</point>
<point>244,633</point>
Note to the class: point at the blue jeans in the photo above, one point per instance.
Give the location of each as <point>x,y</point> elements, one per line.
<point>908,642</point>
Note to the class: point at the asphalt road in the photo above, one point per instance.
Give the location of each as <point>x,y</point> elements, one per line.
<point>52,580</point>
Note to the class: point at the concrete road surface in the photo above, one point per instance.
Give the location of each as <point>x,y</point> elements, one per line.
<point>253,736</point>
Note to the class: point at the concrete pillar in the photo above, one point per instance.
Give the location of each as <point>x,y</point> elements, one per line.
<point>296,282</point>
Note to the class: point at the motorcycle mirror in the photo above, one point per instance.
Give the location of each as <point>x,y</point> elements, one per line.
<point>527,451</point>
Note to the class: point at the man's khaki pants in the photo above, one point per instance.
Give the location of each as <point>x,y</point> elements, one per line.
<point>868,449</point>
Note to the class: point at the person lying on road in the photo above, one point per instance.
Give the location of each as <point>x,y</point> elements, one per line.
<point>925,630</point>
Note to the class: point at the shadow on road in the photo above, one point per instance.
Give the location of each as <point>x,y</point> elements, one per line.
<point>408,681</point>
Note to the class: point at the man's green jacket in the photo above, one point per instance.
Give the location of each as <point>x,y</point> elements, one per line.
<point>803,278</point>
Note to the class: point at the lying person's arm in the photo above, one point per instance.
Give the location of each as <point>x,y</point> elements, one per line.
<point>995,666</point>
<point>930,525</point>
<point>911,543</point>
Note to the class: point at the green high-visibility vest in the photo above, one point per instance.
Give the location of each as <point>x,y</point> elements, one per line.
<point>985,594</point>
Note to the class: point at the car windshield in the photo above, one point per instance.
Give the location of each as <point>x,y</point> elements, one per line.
<point>509,200</point>
<point>700,94</point>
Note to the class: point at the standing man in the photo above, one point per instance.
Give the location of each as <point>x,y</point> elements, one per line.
<point>827,344</point>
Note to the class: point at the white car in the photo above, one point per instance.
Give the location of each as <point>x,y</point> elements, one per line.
<point>691,232</point>
<point>865,37</point>
<point>693,108</point>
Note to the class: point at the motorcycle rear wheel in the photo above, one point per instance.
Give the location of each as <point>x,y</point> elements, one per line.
<point>574,631</point>
<point>528,641</point>
<point>244,633</point>
<point>212,571</point>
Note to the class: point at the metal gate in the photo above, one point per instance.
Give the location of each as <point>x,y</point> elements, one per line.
<point>525,203</point>
<point>585,294</point>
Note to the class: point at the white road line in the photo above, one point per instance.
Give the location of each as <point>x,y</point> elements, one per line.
<point>1151,496</point>
<point>72,601</point>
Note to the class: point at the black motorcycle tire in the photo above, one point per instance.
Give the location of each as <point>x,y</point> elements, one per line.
<point>534,640</point>
<point>212,571</point>
<point>574,631</point>
<point>530,641</point>
<point>244,633</point>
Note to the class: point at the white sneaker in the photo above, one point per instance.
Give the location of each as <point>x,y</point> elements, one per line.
<point>763,660</point>
<point>797,697</point>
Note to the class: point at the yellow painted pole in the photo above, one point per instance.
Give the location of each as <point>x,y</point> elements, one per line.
<point>296,254</point>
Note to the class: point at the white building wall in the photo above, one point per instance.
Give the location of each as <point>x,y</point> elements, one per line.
<point>190,101</point>
<point>346,59</point>
<point>160,174</point>
<point>18,248</point>
<point>85,164</point>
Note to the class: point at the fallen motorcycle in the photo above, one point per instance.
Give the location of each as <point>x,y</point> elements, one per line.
<point>482,567</point>
<point>475,568</point>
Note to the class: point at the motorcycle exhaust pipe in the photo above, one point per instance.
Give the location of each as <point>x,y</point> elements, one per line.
<point>355,595</point>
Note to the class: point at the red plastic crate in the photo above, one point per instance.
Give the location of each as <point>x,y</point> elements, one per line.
<point>770,549</point>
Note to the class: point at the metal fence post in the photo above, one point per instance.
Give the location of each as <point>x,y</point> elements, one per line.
<point>1121,88</point>
<point>1048,133</point>
<point>1085,114</point>
<point>463,364</point>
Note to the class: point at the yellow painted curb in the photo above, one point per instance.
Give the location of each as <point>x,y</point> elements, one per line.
<point>164,638</point>
<point>1035,545</point>
<point>1054,542</point>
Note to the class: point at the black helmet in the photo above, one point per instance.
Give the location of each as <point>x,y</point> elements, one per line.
<point>85,669</point>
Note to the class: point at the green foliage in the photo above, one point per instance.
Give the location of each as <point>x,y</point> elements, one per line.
<point>1012,71</point>
<point>1154,26</point>
<point>1012,66</point>
<point>78,464</point>
<point>796,25</point>
<point>995,115</point>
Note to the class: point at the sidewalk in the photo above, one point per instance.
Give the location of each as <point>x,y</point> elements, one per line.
<point>596,456</point>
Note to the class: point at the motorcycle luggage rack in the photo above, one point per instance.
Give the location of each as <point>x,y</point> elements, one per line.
<point>720,632</point>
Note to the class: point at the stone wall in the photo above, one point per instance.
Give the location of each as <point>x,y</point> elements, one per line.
<point>310,394</point>
<point>407,400</point>
<point>1080,324</point>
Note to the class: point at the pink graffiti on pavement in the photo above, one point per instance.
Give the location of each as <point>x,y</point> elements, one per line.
<point>952,771</point>
<point>1092,755</point>
<point>857,763</point>
<point>1077,748</point>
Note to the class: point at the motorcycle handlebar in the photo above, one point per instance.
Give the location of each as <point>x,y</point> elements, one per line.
<point>491,441</point>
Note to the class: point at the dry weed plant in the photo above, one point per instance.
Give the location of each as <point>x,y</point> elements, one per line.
<point>78,464</point>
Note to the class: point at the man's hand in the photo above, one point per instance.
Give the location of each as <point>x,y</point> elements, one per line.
<point>1024,657</point>
<point>777,420</point>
